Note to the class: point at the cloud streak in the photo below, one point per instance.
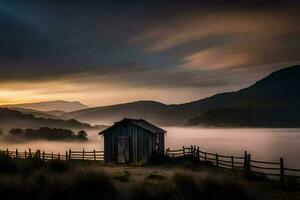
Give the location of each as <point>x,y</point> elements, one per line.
<point>254,38</point>
<point>115,52</point>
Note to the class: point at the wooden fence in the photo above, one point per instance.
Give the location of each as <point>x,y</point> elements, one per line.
<point>245,163</point>
<point>69,155</point>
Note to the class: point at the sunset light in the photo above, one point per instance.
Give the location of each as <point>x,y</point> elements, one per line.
<point>154,99</point>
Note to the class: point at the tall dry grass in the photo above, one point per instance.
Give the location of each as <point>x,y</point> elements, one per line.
<point>33,179</point>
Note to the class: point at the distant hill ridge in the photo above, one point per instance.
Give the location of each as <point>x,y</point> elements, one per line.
<point>270,102</point>
<point>16,119</point>
<point>60,105</point>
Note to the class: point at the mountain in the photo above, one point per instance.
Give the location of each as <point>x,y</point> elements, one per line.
<point>109,114</point>
<point>60,105</point>
<point>37,113</point>
<point>16,119</point>
<point>56,113</point>
<point>270,102</point>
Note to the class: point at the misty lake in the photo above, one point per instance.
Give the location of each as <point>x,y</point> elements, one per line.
<point>262,144</point>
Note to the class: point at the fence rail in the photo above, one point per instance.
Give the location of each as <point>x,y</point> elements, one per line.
<point>248,165</point>
<point>69,155</point>
<point>245,163</point>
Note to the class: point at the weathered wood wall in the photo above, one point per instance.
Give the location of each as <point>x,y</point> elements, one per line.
<point>141,142</point>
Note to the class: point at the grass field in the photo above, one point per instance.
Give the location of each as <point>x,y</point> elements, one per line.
<point>34,179</point>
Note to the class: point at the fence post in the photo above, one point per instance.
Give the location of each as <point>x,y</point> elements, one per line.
<point>52,156</point>
<point>30,155</point>
<point>7,152</point>
<point>192,151</point>
<point>282,181</point>
<point>17,153</point>
<point>43,155</point>
<point>198,153</point>
<point>249,165</point>
<point>167,151</point>
<point>58,155</point>
<point>25,154</point>
<point>83,154</point>
<point>66,155</point>
<point>70,153</point>
<point>94,155</point>
<point>183,150</point>
<point>245,164</point>
<point>205,156</point>
<point>232,162</point>
<point>217,160</point>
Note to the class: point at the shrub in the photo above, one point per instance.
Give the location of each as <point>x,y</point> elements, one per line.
<point>82,135</point>
<point>11,187</point>
<point>159,159</point>
<point>7,164</point>
<point>122,176</point>
<point>218,187</point>
<point>92,184</point>
<point>292,184</point>
<point>16,132</point>
<point>58,165</point>
<point>186,186</point>
<point>155,177</point>
<point>30,164</point>
<point>141,192</point>
<point>148,191</point>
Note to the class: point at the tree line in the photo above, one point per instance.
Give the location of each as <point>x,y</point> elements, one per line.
<point>48,133</point>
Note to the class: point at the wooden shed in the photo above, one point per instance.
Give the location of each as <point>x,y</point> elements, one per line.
<point>132,140</point>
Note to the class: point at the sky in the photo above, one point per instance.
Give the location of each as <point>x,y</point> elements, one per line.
<point>172,51</point>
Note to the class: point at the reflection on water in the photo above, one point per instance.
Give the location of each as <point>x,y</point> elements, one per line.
<point>262,144</point>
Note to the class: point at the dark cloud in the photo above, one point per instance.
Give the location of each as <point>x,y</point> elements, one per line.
<point>218,44</point>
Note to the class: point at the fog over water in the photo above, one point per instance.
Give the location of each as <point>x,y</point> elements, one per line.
<point>262,144</point>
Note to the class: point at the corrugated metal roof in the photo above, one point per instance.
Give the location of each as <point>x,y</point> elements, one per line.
<point>139,123</point>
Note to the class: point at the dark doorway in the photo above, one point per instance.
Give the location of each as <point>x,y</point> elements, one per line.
<point>123,149</point>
